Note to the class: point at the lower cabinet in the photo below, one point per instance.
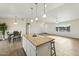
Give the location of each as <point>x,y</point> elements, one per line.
<point>31,50</point>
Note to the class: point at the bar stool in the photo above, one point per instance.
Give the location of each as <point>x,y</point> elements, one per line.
<point>53,52</point>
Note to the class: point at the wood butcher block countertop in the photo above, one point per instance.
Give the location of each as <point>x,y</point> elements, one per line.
<point>39,40</point>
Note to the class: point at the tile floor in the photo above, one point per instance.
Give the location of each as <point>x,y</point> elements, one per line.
<point>11,49</point>
<point>66,46</point>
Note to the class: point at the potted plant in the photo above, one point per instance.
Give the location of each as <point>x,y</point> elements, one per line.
<point>3,28</point>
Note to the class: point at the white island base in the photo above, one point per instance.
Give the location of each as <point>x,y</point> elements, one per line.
<point>33,48</point>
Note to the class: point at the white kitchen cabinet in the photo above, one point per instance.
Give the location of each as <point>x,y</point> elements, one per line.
<point>33,50</point>
<point>28,47</point>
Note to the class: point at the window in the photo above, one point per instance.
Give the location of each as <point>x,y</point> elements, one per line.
<point>63,29</point>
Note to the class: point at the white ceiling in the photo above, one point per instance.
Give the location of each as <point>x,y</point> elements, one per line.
<point>55,11</point>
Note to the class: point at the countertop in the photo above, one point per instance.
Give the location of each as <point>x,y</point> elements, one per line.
<point>39,40</point>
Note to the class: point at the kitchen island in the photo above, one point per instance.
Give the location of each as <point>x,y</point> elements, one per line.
<point>37,46</point>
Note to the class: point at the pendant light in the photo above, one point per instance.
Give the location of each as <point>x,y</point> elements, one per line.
<point>57,21</point>
<point>36,18</point>
<point>44,15</point>
<point>15,22</point>
<point>31,14</point>
<point>45,5</point>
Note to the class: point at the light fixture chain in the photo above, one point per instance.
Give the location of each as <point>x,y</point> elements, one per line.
<point>36,8</point>
<point>44,9</point>
<point>31,12</point>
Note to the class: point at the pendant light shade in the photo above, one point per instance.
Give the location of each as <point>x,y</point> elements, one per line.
<point>31,14</point>
<point>45,5</point>
<point>15,23</point>
<point>44,15</point>
<point>36,18</point>
<point>31,20</point>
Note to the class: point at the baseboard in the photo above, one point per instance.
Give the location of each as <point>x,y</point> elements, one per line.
<point>60,35</point>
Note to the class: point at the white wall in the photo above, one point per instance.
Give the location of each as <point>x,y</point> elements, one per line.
<point>35,27</point>
<point>74,29</point>
<point>11,27</point>
<point>40,27</point>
